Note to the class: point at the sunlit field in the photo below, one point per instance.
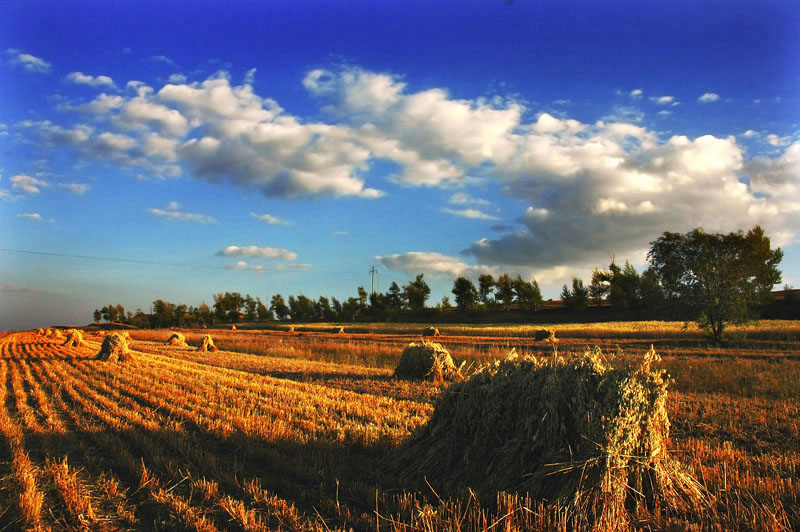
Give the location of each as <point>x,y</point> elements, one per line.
<point>294,430</point>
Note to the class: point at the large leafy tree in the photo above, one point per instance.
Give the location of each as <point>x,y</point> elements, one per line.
<point>417,292</point>
<point>719,277</point>
<point>527,294</point>
<point>465,293</point>
<point>485,287</point>
<point>504,290</point>
<point>278,306</point>
<point>577,298</point>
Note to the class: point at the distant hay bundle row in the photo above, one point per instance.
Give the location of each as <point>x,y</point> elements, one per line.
<point>577,431</point>
<point>115,348</point>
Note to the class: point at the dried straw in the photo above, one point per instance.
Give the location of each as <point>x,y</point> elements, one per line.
<point>208,344</point>
<point>430,331</point>
<point>115,348</point>
<point>546,335</point>
<point>575,431</point>
<point>427,361</point>
<point>74,338</point>
<point>177,339</point>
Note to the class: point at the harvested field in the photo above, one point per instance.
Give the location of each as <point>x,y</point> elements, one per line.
<point>291,432</point>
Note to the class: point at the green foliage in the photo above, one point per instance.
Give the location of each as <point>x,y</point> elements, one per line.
<point>485,287</point>
<point>720,277</point>
<point>465,293</point>
<point>576,299</point>
<point>416,293</point>
<point>505,290</point>
<point>278,306</point>
<point>527,294</point>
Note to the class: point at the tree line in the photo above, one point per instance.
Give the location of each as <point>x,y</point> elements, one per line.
<point>713,278</point>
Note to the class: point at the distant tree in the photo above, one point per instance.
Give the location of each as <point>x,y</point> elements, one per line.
<point>336,307</point>
<point>351,308</point>
<point>204,314</point>
<point>377,305</point>
<point>97,315</point>
<point>465,293</point>
<point>263,313</point>
<point>362,300</point>
<point>250,308</point>
<point>416,293</point>
<point>576,299</point>
<point>445,304</point>
<point>719,277</point>
<point>527,294</point>
<point>278,306</point>
<point>485,287</point>
<point>619,286</point>
<point>504,290</point>
<point>394,297</point>
<point>301,308</point>
<point>120,313</point>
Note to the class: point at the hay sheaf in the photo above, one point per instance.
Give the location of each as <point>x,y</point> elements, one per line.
<point>427,361</point>
<point>74,338</point>
<point>177,339</point>
<point>54,334</point>
<point>576,431</point>
<point>115,348</point>
<point>546,335</point>
<point>430,331</point>
<point>207,344</point>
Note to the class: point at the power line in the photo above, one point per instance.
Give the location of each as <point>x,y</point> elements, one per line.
<point>172,264</point>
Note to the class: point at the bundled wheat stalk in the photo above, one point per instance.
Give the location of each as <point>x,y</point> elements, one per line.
<point>576,431</point>
<point>429,361</point>
<point>115,348</point>
<point>74,338</point>
<point>208,344</point>
<point>54,334</point>
<point>177,339</point>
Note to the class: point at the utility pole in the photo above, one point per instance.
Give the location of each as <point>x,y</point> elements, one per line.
<point>372,272</point>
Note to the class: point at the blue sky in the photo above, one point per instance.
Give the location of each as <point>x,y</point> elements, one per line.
<point>175,150</point>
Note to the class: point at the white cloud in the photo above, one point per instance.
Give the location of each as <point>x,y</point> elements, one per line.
<point>35,216</point>
<point>256,251</point>
<point>79,189</point>
<point>475,214</point>
<point>176,78</point>
<point>25,184</point>
<point>28,62</point>
<point>432,263</point>
<point>270,219</point>
<point>53,134</point>
<point>776,140</point>
<point>79,78</point>
<point>636,94</point>
<point>663,100</point>
<point>162,59</point>
<point>750,134</point>
<point>462,198</point>
<point>173,212</point>
<point>708,97</point>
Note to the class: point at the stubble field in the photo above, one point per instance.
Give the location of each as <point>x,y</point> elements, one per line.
<point>294,431</point>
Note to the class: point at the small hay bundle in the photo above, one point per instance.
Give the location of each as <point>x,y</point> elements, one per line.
<point>114,348</point>
<point>39,332</point>
<point>340,330</point>
<point>177,339</point>
<point>208,344</point>
<point>428,361</point>
<point>546,335</point>
<point>291,330</point>
<point>74,338</point>
<point>233,327</point>
<point>430,331</point>
<point>55,334</point>
<point>576,431</point>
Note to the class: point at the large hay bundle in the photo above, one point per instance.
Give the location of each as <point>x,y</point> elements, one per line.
<point>114,348</point>
<point>546,335</point>
<point>575,431</point>
<point>74,338</point>
<point>40,332</point>
<point>177,339</point>
<point>340,330</point>
<point>430,331</point>
<point>54,334</point>
<point>208,344</point>
<point>427,360</point>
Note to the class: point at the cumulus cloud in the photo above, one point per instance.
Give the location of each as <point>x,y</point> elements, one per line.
<point>25,184</point>
<point>636,94</point>
<point>79,189</point>
<point>663,100</point>
<point>35,216</point>
<point>475,214</point>
<point>708,97</point>
<point>177,78</point>
<point>270,219</point>
<point>28,62</point>
<point>256,251</point>
<point>79,78</point>
<point>432,263</point>
<point>462,198</point>
<point>173,212</point>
